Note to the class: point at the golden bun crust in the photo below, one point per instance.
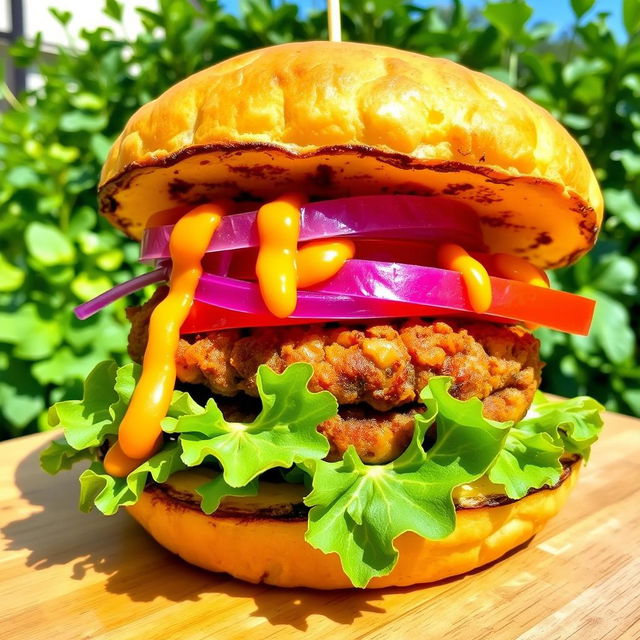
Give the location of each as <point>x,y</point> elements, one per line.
<point>273,550</point>
<point>336,119</point>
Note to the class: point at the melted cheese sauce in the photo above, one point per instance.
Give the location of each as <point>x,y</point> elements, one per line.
<point>118,464</point>
<point>473,492</point>
<point>282,268</point>
<point>319,260</point>
<point>140,432</point>
<point>279,230</point>
<point>281,496</point>
<point>514,268</point>
<point>475,277</point>
<point>511,267</point>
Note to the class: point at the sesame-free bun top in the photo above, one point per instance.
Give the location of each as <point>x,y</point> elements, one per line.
<point>337,119</point>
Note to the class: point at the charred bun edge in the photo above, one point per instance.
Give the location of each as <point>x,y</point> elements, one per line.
<point>164,492</point>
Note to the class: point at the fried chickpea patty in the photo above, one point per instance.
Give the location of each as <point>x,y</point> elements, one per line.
<point>377,437</point>
<point>384,366</point>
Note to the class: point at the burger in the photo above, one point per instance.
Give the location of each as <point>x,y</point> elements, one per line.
<point>335,382</point>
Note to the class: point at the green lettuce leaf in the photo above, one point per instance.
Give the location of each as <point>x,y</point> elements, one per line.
<point>60,455</point>
<point>213,491</point>
<point>529,460</point>
<point>108,494</point>
<point>125,382</point>
<point>577,420</point>
<point>358,510</point>
<point>531,455</point>
<point>283,433</point>
<point>89,421</point>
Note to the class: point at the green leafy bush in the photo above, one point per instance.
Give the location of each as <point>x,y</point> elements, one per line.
<point>55,251</point>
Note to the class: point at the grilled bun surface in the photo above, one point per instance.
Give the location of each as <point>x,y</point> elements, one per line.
<point>339,119</point>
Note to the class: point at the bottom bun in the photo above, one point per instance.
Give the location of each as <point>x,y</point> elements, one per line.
<point>259,544</point>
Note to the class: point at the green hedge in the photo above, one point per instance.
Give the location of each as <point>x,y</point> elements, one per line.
<point>56,252</point>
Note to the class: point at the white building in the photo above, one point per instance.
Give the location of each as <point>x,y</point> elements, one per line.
<point>28,17</point>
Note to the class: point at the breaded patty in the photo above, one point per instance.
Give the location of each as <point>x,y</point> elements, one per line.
<point>384,366</point>
<point>377,437</point>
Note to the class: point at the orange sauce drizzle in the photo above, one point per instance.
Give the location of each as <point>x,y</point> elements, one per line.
<point>476,279</point>
<point>514,268</point>
<point>320,260</point>
<point>140,432</point>
<point>279,230</point>
<point>118,464</point>
<point>511,267</point>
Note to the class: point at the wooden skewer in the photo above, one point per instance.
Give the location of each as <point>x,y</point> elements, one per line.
<point>333,11</point>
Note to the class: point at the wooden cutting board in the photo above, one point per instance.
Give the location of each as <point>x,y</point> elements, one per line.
<point>65,575</point>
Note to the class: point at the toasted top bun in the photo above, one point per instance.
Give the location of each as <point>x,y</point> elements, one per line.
<point>337,119</point>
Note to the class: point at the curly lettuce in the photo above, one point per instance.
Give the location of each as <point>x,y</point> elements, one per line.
<point>358,510</point>
<point>282,434</point>
<point>355,510</point>
<point>108,494</point>
<point>530,458</point>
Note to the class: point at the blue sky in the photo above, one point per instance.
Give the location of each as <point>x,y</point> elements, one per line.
<point>560,12</point>
<point>557,11</point>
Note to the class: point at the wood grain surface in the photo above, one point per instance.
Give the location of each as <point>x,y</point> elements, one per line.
<point>66,575</point>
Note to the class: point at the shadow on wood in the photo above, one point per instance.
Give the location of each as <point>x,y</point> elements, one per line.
<point>57,533</point>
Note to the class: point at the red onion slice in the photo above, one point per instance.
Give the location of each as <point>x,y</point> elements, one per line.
<point>367,289</point>
<point>364,290</point>
<point>386,216</point>
<point>87,309</point>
